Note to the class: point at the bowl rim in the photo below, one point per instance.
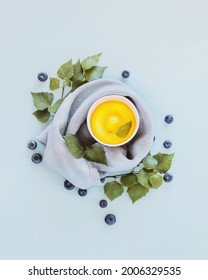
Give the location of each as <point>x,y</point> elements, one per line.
<point>115,98</point>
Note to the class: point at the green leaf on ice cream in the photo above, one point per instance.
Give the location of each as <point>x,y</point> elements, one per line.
<point>124,129</point>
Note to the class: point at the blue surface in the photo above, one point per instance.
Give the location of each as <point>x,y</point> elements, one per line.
<point>164,44</point>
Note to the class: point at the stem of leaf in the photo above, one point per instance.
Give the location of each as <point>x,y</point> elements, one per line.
<point>62,94</point>
<point>67,94</point>
<point>119,176</point>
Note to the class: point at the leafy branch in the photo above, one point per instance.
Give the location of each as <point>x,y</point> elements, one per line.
<point>145,176</point>
<point>69,77</point>
<point>138,183</point>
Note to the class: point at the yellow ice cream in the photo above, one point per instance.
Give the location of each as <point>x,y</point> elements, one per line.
<point>108,117</point>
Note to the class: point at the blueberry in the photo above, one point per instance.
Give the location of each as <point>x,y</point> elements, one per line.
<point>125,74</point>
<point>168,177</point>
<point>42,77</point>
<point>169,119</point>
<point>167,144</point>
<point>82,192</point>
<point>110,219</point>
<point>32,144</point>
<point>103,203</point>
<point>36,158</point>
<point>68,185</point>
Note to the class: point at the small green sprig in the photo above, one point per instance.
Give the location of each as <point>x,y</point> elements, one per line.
<point>138,183</point>
<point>69,77</point>
<point>91,153</point>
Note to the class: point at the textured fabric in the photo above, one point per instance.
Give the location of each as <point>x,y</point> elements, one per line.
<point>71,118</point>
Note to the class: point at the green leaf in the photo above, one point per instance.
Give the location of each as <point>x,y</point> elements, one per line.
<point>91,61</point>
<point>113,190</point>
<point>123,130</point>
<point>94,73</point>
<point>95,154</point>
<point>164,162</point>
<point>42,100</point>
<point>53,109</point>
<point>66,70</point>
<point>42,116</point>
<point>156,181</point>
<point>74,145</point>
<point>136,192</point>
<point>128,180</point>
<point>78,71</point>
<point>67,82</point>
<point>149,162</point>
<point>143,178</point>
<point>54,83</point>
<point>77,84</point>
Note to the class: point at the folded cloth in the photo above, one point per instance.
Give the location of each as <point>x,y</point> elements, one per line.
<point>71,119</point>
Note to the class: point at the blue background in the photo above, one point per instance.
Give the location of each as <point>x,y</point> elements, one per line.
<point>164,44</point>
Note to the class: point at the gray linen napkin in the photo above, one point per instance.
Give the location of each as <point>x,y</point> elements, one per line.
<point>71,118</point>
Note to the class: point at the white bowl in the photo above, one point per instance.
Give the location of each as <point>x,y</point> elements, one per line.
<point>114,98</point>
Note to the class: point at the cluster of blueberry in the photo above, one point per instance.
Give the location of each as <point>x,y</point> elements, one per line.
<point>42,76</point>
<point>69,186</point>
<point>110,219</point>
<point>168,144</point>
<point>36,158</point>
